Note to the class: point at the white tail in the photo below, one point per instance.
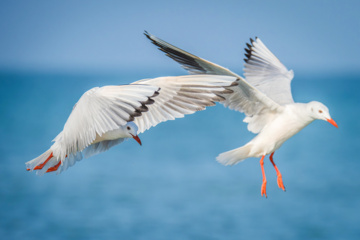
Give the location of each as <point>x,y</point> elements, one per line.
<point>234,156</point>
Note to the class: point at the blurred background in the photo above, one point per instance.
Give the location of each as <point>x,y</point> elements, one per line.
<point>51,52</point>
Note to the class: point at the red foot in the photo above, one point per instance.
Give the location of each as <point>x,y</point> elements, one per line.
<point>40,166</point>
<point>280,182</point>
<point>263,185</point>
<point>263,188</point>
<point>54,168</point>
<point>279,177</point>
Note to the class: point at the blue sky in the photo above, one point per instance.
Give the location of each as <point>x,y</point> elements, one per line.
<point>107,36</point>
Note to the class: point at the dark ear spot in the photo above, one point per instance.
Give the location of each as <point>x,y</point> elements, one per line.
<point>320,111</point>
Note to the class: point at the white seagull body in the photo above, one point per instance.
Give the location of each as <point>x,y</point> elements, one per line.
<point>265,98</point>
<point>104,117</point>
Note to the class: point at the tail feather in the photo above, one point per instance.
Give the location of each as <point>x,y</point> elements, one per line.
<point>234,156</point>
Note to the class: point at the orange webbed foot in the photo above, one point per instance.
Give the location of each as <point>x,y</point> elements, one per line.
<point>54,168</point>
<point>263,188</point>
<point>280,182</point>
<point>279,177</point>
<point>40,166</point>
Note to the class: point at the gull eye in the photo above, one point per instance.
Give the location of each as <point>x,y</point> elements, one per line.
<point>320,111</point>
<point>128,128</point>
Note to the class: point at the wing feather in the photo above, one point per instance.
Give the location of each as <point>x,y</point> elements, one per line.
<point>246,97</point>
<point>190,62</point>
<point>182,95</point>
<point>146,102</point>
<point>264,71</point>
<point>98,111</point>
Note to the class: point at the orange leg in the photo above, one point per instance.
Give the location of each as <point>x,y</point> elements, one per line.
<point>263,185</point>
<point>279,177</point>
<point>54,168</point>
<point>40,166</point>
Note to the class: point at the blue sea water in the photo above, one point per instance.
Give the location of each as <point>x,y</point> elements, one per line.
<point>172,187</point>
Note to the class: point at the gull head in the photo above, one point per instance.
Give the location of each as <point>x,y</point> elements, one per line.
<point>321,112</point>
<point>130,130</point>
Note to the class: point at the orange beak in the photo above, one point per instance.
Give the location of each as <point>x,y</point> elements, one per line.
<point>332,122</point>
<point>136,138</point>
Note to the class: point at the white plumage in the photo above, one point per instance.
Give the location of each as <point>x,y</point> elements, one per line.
<point>265,98</point>
<point>103,117</point>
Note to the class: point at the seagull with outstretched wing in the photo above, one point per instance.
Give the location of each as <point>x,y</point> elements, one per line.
<point>106,116</point>
<point>264,96</point>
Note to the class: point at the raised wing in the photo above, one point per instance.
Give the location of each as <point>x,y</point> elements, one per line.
<point>182,95</point>
<point>100,110</point>
<point>190,62</point>
<point>245,98</point>
<point>145,102</point>
<point>265,72</point>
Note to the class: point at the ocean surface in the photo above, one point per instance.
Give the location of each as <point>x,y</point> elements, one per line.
<point>172,187</point>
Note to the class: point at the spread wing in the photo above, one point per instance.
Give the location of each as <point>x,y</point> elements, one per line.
<point>182,95</point>
<point>265,72</point>
<point>145,102</point>
<point>245,98</point>
<point>190,62</point>
<point>100,110</point>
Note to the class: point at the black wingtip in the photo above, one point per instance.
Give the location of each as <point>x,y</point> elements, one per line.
<point>235,83</point>
<point>148,101</point>
<point>148,35</point>
<point>131,118</point>
<point>156,93</point>
<point>248,50</point>
<point>142,108</point>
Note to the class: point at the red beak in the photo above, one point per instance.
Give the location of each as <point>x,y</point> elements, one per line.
<point>332,122</point>
<point>137,139</point>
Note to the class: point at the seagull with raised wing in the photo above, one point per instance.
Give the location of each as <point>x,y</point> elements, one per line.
<point>265,98</point>
<point>106,116</point>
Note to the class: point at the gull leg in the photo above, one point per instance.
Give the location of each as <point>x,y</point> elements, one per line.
<point>40,166</point>
<point>54,168</point>
<point>279,177</point>
<point>263,185</point>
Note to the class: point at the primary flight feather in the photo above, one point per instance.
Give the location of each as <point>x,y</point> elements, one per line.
<point>264,96</point>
